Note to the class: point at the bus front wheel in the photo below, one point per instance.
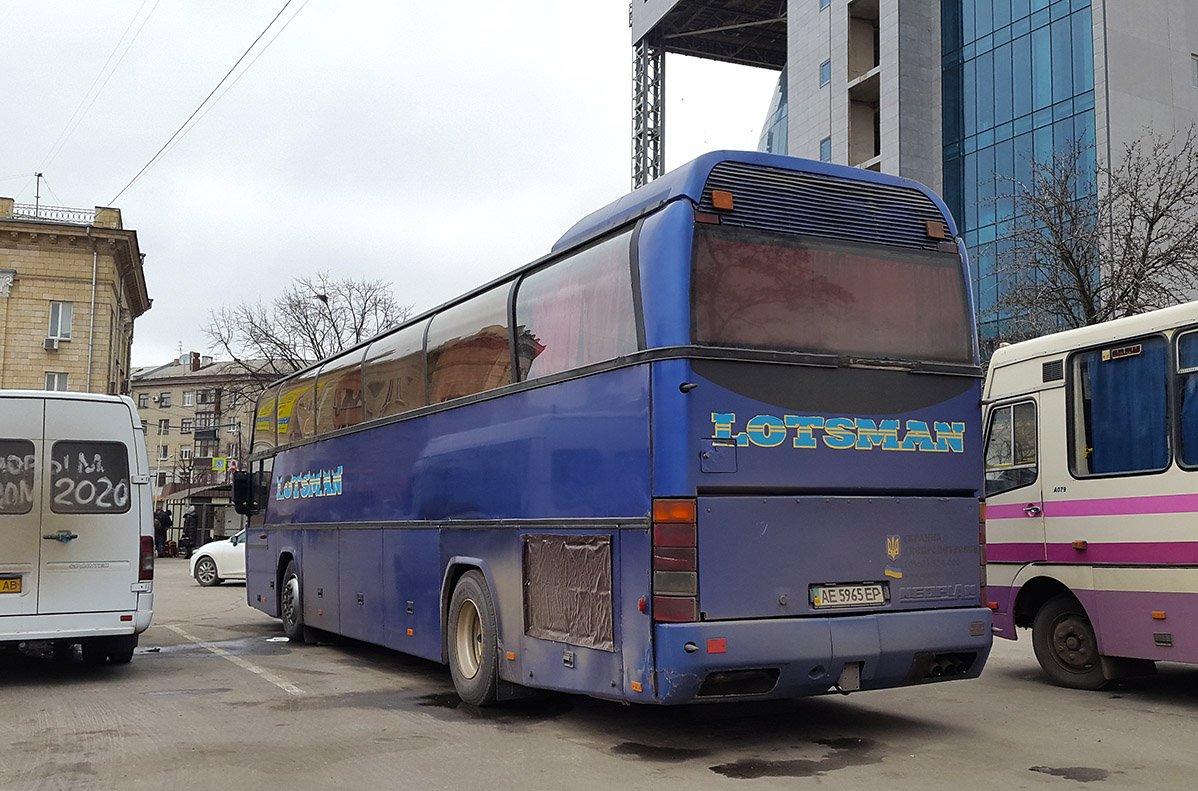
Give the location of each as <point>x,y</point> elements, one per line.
<point>1066,646</point>
<point>473,641</point>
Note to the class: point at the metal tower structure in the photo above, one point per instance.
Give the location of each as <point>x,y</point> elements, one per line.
<point>749,32</point>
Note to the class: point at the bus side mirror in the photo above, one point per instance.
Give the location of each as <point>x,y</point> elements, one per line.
<point>243,493</point>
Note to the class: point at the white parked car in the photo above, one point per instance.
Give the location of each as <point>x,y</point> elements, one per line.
<point>220,560</point>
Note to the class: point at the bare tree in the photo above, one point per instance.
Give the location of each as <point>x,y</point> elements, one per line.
<point>315,317</point>
<point>1092,242</point>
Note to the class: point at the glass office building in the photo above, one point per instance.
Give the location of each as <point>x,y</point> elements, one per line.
<point>1018,84</point>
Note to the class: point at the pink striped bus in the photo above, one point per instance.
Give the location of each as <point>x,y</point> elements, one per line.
<point>1092,495</point>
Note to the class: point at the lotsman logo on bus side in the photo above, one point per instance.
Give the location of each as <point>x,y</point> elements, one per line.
<point>322,483</point>
<point>841,433</point>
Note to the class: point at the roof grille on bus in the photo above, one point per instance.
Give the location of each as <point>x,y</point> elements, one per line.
<point>1054,371</point>
<point>815,205</point>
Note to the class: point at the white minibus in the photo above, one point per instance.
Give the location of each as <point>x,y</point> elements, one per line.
<point>1091,466</point>
<point>76,533</point>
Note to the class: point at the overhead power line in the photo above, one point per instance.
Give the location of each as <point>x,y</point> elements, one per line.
<point>154,159</point>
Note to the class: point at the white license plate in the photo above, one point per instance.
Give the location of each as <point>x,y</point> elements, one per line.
<point>873,593</point>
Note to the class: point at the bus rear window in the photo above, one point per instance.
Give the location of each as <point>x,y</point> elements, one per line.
<point>770,291</point>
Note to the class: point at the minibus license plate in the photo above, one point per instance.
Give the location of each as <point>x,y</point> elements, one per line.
<point>848,595</point>
<point>10,585</point>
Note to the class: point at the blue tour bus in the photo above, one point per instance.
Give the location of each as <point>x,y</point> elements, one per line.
<point>722,443</point>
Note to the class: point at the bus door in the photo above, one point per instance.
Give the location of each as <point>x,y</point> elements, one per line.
<point>20,504</point>
<point>90,527</point>
<point>1014,495</point>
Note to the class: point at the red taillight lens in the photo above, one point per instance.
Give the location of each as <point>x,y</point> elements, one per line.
<point>675,561</point>
<point>145,569</point>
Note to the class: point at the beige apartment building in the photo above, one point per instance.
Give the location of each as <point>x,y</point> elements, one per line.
<point>71,286</point>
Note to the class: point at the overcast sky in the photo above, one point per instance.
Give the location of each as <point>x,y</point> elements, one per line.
<point>432,145</point>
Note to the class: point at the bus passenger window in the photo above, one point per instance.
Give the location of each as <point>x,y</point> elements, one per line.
<point>393,373</point>
<point>1120,408</point>
<point>296,409</point>
<point>339,393</point>
<point>1187,397</point>
<point>468,348</point>
<point>264,421</point>
<point>576,311</point>
<point>1011,448</point>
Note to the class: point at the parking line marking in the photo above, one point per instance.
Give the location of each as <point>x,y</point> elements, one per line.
<point>281,683</point>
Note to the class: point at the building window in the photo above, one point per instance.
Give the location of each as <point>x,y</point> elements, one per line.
<point>825,73</point>
<point>164,399</point>
<point>187,423</point>
<point>207,448</point>
<point>189,398</point>
<point>1194,70</point>
<point>143,401</point>
<point>825,150</point>
<point>60,321</point>
<point>164,427</point>
<point>163,454</point>
<point>824,4</point>
<point>56,381</point>
<point>185,452</point>
<point>161,479</point>
<point>235,426</point>
<point>144,427</point>
<point>206,397</point>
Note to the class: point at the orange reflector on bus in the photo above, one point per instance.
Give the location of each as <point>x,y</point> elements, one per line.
<point>636,686</point>
<point>1158,615</point>
<point>1079,545</point>
<point>936,230</point>
<point>511,656</point>
<point>721,199</point>
<point>674,510</point>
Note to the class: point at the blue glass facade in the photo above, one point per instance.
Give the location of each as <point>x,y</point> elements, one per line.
<point>774,130</point>
<point>1018,84</point>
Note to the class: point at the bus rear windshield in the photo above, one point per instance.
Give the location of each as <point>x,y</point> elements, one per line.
<point>761,290</point>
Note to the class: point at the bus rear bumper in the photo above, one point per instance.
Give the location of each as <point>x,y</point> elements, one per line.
<point>799,657</point>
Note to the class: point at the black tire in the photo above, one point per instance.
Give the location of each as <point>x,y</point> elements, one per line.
<point>473,641</point>
<point>206,572</point>
<point>291,604</point>
<point>1066,646</point>
<point>120,649</point>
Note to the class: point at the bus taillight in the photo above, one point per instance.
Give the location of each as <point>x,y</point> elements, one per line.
<point>675,561</point>
<point>145,569</point>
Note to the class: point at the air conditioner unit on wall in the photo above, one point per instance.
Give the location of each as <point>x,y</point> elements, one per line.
<point>50,344</point>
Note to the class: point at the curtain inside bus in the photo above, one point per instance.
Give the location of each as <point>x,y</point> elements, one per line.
<point>1128,407</point>
<point>765,290</point>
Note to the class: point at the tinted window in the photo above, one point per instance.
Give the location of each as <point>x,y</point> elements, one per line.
<point>89,478</point>
<point>393,373</point>
<point>1187,383</point>
<point>339,393</point>
<point>297,406</point>
<point>1011,448</point>
<point>760,290</point>
<point>264,421</point>
<point>17,464</point>
<point>1119,414</point>
<point>577,311</point>
<point>468,349</point>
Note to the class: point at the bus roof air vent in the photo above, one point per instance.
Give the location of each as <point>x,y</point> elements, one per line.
<point>1054,371</point>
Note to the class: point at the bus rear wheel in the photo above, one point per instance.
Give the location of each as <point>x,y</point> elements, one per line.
<point>473,641</point>
<point>291,606</point>
<point>1066,646</point>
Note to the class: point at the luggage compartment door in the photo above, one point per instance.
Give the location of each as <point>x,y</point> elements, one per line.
<point>21,461</point>
<point>91,521</point>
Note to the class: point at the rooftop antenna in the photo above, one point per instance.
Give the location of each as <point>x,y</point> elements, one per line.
<point>37,196</point>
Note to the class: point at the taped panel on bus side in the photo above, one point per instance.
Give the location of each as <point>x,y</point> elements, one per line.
<point>568,589</point>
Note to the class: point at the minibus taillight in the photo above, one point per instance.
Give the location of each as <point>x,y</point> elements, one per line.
<point>675,561</point>
<point>146,566</point>
<point>982,552</point>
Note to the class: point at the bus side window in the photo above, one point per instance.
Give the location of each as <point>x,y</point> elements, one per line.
<point>577,311</point>
<point>468,347</point>
<point>1187,376</point>
<point>1011,448</point>
<point>1120,416</point>
<point>339,393</point>
<point>297,407</point>
<point>393,373</point>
